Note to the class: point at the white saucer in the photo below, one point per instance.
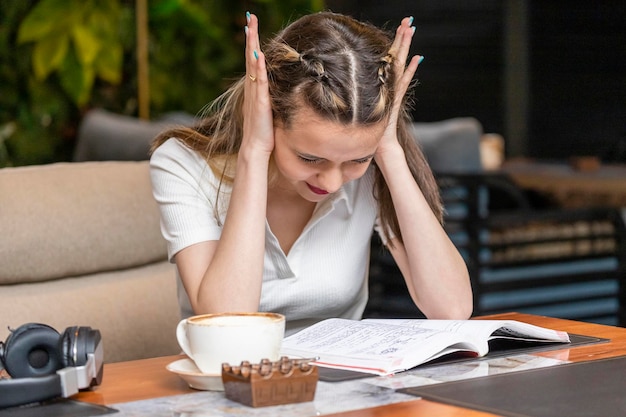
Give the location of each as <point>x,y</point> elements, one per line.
<point>187,370</point>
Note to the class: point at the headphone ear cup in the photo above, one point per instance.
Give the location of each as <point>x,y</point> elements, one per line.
<point>76,343</point>
<point>68,345</point>
<point>32,350</point>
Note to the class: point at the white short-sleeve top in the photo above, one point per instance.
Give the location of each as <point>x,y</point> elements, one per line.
<point>325,272</point>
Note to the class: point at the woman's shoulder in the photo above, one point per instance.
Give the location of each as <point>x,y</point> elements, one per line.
<point>174,148</point>
<point>174,152</point>
<point>174,158</point>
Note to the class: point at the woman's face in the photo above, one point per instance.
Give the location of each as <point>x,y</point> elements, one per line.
<point>315,157</point>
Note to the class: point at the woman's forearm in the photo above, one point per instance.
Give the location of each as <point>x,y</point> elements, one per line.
<point>226,275</point>
<point>435,272</point>
<point>234,277</point>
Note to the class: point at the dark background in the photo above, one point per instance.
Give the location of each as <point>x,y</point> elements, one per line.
<point>557,90</point>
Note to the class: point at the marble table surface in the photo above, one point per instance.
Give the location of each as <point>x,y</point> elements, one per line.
<point>333,397</point>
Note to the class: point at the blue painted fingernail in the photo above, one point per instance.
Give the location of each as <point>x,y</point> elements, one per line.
<point>256,54</point>
<point>413,29</point>
<point>245,29</point>
<point>419,61</point>
<point>410,20</point>
<point>248,16</point>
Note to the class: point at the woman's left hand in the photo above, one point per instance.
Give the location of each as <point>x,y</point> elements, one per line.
<point>403,76</point>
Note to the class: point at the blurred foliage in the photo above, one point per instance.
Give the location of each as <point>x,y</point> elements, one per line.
<point>59,58</point>
<point>76,39</point>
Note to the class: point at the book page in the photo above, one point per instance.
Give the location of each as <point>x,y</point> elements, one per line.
<point>374,347</point>
<point>482,330</point>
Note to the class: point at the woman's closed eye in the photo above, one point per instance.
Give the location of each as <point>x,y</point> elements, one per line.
<point>363,160</point>
<point>310,159</point>
<point>314,160</point>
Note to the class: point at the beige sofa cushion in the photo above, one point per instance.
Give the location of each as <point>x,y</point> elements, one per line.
<point>136,310</point>
<point>70,219</point>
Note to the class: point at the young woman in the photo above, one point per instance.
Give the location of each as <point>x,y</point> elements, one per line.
<point>270,202</point>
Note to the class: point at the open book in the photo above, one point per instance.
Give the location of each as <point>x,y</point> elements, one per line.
<point>387,346</point>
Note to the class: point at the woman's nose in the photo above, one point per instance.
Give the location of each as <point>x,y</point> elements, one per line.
<point>330,180</point>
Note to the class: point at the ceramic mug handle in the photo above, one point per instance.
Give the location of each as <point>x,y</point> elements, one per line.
<point>181,336</point>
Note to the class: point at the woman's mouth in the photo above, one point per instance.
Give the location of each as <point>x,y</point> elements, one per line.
<point>316,190</point>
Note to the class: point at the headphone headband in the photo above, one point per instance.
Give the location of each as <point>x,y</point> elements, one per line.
<point>20,391</point>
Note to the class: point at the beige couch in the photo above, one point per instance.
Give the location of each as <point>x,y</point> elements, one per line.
<point>80,245</point>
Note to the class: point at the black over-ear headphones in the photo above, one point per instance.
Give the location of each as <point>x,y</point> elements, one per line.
<point>44,364</point>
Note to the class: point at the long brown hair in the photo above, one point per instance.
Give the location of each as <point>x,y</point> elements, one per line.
<point>339,67</point>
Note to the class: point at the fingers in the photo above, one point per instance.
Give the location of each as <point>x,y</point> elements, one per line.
<point>255,61</point>
<point>400,50</point>
<point>406,76</point>
<point>258,126</point>
<point>402,41</point>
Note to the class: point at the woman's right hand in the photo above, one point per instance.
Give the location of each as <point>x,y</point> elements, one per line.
<point>258,126</point>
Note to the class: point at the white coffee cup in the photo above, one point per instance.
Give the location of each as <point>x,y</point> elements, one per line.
<point>212,339</point>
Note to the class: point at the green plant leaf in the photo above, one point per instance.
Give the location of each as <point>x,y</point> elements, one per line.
<point>86,44</point>
<point>46,18</point>
<point>48,54</point>
<point>106,25</point>
<point>163,7</point>
<point>76,80</point>
<point>108,64</point>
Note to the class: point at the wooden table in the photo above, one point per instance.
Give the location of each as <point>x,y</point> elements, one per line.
<point>148,378</point>
<point>567,186</point>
